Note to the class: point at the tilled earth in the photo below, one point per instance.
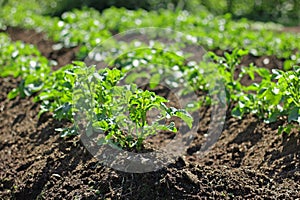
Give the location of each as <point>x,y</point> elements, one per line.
<point>249,161</point>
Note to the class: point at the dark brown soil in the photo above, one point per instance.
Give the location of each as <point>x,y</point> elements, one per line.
<point>293,29</point>
<point>249,161</point>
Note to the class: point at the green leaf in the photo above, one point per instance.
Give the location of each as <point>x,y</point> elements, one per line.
<point>102,125</point>
<point>170,127</point>
<point>62,112</point>
<point>252,87</point>
<point>294,115</point>
<point>185,116</point>
<point>288,65</point>
<point>154,80</point>
<point>273,117</point>
<point>242,52</point>
<point>237,112</point>
<point>264,73</point>
<point>285,129</point>
<point>251,74</point>
<point>228,57</point>
<point>66,132</point>
<point>13,93</point>
<point>131,78</point>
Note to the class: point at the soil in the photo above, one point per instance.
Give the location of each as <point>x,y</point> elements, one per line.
<point>249,160</point>
<point>292,29</point>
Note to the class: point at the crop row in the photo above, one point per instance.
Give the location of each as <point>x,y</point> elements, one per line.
<point>65,91</point>
<point>88,28</point>
<point>76,88</point>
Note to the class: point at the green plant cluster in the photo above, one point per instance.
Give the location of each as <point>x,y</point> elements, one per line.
<point>282,11</point>
<point>22,60</point>
<point>87,27</point>
<point>76,88</point>
<point>275,97</point>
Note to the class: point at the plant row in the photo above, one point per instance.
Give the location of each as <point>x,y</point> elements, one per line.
<point>76,88</point>
<point>88,28</point>
<point>119,112</point>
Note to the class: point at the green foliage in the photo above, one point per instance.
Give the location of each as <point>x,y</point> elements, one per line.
<point>56,95</point>
<point>281,11</point>
<point>276,96</point>
<point>286,12</point>
<point>288,86</point>
<point>271,99</point>
<point>88,28</point>
<point>227,66</point>
<point>22,60</point>
<point>76,90</point>
<point>57,7</point>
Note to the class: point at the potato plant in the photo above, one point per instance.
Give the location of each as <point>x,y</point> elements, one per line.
<point>120,111</point>
<point>276,96</point>
<point>75,89</point>
<point>22,60</point>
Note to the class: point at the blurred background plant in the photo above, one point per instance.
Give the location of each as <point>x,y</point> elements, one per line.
<point>281,11</point>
